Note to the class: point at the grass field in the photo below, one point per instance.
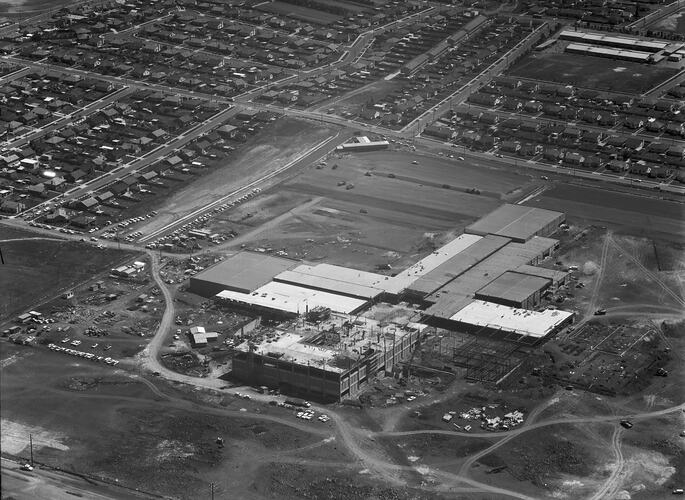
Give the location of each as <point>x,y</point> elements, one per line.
<point>30,6</point>
<point>302,13</point>
<point>674,23</point>
<point>37,269</point>
<point>592,72</point>
<point>281,142</point>
<point>373,209</point>
<point>93,419</point>
<point>632,214</point>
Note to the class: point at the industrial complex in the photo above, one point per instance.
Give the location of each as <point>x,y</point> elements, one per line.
<point>329,249</point>
<point>483,282</point>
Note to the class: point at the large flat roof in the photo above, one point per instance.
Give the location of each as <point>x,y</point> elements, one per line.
<point>511,319</point>
<point>456,293</point>
<point>513,286</point>
<point>293,299</point>
<point>335,279</point>
<point>430,262</point>
<point>552,274</point>
<point>301,344</point>
<point>245,271</point>
<point>515,221</point>
<point>457,264</point>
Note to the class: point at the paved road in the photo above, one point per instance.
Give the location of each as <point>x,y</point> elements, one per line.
<point>542,119</point>
<point>67,119</point>
<point>47,484</point>
<point>311,155</point>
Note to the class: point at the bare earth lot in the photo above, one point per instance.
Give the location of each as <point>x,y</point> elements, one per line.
<point>634,214</point>
<point>592,72</point>
<point>372,209</point>
<point>38,269</point>
<point>286,140</point>
<point>19,6</point>
<point>302,13</point>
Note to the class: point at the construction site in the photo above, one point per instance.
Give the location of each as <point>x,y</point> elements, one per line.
<point>320,340</point>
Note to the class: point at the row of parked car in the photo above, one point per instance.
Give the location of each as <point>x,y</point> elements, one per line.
<point>82,354</point>
<point>201,219</point>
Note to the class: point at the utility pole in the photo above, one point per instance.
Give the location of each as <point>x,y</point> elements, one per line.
<point>211,488</point>
<point>31,447</point>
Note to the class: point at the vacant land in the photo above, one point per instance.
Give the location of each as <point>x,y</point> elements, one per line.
<point>281,143</point>
<point>301,13</point>
<point>569,459</point>
<point>674,23</point>
<point>633,214</point>
<point>30,6</point>
<point>143,439</point>
<point>370,210</point>
<point>37,269</point>
<point>592,72</point>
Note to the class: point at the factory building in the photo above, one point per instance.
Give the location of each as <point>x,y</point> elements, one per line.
<point>483,282</point>
<point>336,279</point>
<point>621,54</point>
<point>518,223</point>
<point>617,42</point>
<point>515,289</point>
<point>330,361</point>
<point>363,143</point>
<point>283,300</point>
<point>243,272</point>
<point>500,321</point>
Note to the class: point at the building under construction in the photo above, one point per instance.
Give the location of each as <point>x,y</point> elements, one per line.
<point>485,283</point>
<point>327,361</point>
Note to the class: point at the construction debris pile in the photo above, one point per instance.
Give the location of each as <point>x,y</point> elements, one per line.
<point>495,423</point>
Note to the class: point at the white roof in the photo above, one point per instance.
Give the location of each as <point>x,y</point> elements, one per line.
<point>291,346</point>
<point>293,299</point>
<point>338,279</point>
<point>440,256</point>
<point>511,319</point>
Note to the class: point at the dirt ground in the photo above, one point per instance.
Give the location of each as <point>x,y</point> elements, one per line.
<point>628,213</point>
<point>284,140</point>
<point>368,210</point>
<point>36,270</point>
<point>174,443</point>
<point>592,72</point>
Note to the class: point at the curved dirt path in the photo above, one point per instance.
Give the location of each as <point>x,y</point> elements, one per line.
<point>613,481</point>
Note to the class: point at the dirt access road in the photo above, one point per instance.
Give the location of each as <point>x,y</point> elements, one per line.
<point>362,445</point>
<point>45,484</point>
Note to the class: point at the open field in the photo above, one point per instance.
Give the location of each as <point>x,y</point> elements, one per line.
<point>301,13</point>
<point>674,23</point>
<point>285,140</point>
<point>30,6</point>
<point>563,458</point>
<point>38,269</point>
<point>368,210</point>
<point>632,214</point>
<point>592,72</point>
<point>170,452</point>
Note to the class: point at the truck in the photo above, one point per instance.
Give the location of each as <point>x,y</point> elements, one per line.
<point>298,402</point>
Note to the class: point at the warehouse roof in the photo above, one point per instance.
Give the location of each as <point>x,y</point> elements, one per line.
<point>511,319</point>
<point>514,287</point>
<point>458,264</point>
<point>245,271</point>
<point>355,338</point>
<point>293,299</point>
<point>456,293</point>
<point>336,279</point>
<point>432,261</point>
<point>552,274</point>
<point>515,221</point>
